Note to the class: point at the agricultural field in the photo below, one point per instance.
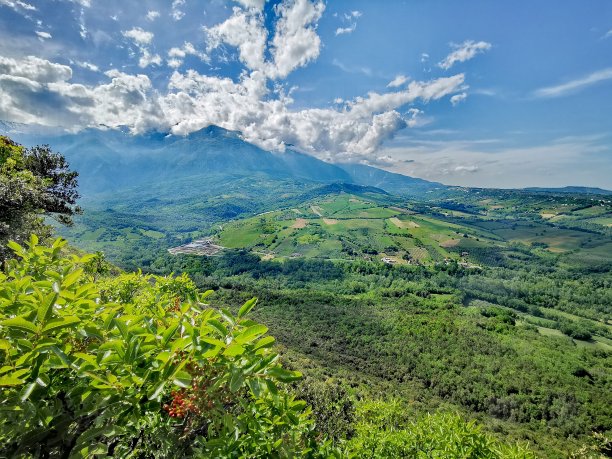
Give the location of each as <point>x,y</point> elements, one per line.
<point>347,226</point>
<point>373,227</point>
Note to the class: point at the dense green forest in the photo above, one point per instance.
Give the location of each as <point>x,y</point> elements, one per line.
<point>472,324</point>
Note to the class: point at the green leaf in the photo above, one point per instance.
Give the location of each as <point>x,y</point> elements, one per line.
<point>233,350</point>
<point>27,391</point>
<point>108,431</point>
<point>157,391</point>
<point>236,381</point>
<point>181,343</point>
<point>62,322</point>
<point>271,386</point>
<point>87,358</point>
<point>46,308</point>
<point>20,323</point>
<point>265,362</point>
<point>182,379</point>
<point>168,334</point>
<point>255,386</point>
<point>266,341</point>
<point>163,356</point>
<point>218,326</point>
<point>71,278</point>
<point>63,357</point>
<point>205,295</point>
<point>211,353</point>
<point>251,333</point>
<point>298,405</point>
<point>213,341</point>
<point>44,343</point>
<point>15,247</point>
<point>10,381</point>
<point>4,345</point>
<point>122,327</point>
<point>227,315</point>
<point>246,307</point>
<point>284,375</point>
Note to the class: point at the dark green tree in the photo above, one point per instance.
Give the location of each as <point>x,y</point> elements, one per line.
<point>34,183</point>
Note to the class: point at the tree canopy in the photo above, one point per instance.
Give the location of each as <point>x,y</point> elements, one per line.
<point>34,183</point>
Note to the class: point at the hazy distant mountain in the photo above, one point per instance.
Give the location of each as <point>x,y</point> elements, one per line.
<point>572,189</point>
<point>388,181</point>
<point>111,160</point>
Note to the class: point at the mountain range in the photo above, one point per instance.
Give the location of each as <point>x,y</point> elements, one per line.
<point>112,160</point>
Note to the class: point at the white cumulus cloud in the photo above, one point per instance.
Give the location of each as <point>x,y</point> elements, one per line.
<point>295,41</point>
<point>43,35</point>
<point>457,98</point>
<point>350,17</point>
<point>257,104</point>
<point>398,81</point>
<point>34,90</point>
<point>464,52</point>
<point>177,14</point>
<point>176,55</point>
<point>152,15</point>
<point>37,90</point>
<point>346,30</point>
<point>18,5</point>
<point>254,4</point>
<point>139,36</point>
<point>88,66</point>
<point>142,39</point>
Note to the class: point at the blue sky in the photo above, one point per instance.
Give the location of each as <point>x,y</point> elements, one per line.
<point>477,93</point>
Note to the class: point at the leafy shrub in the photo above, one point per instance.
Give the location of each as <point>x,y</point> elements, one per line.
<point>332,407</point>
<point>135,366</point>
<point>575,330</point>
<point>384,429</point>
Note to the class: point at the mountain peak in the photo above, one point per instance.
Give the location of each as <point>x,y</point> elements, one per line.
<point>213,131</point>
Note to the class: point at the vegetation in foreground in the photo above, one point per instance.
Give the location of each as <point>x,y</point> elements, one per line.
<point>140,366</point>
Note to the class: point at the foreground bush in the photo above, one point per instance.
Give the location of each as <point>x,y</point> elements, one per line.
<point>135,366</point>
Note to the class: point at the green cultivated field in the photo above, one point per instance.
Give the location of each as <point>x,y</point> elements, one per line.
<point>350,226</point>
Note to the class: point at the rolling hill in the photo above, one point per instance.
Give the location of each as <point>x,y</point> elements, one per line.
<point>351,222</point>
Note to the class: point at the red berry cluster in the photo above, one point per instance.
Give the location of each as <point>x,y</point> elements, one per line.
<point>176,307</point>
<point>200,397</point>
<point>181,404</point>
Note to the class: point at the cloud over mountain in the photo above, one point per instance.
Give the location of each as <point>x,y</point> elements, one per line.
<point>255,103</point>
